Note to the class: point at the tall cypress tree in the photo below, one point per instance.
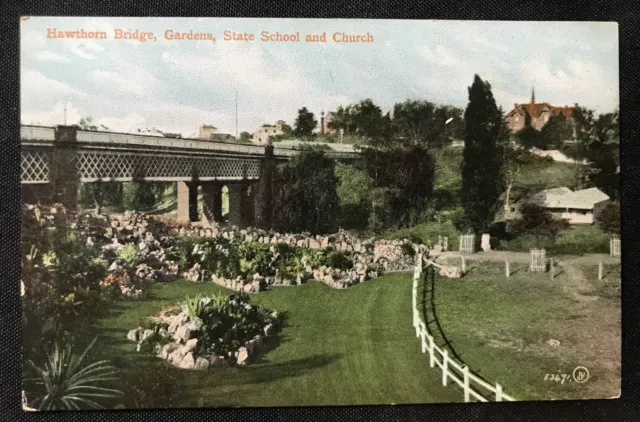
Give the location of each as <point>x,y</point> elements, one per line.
<point>483,156</point>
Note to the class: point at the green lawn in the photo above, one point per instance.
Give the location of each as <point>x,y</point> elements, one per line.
<point>500,328</point>
<point>337,347</point>
<point>541,174</point>
<point>357,345</point>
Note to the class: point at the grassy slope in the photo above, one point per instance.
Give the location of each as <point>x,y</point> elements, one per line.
<point>499,327</point>
<point>544,174</point>
<point>352,346</point>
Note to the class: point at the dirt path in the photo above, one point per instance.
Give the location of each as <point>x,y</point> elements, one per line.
<point>572,278</point>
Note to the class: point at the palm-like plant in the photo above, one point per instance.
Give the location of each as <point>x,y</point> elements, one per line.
<point>64,383</point>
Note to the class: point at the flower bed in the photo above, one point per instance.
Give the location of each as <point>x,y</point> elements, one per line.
<point>252,266</point>
<point>206,332</point>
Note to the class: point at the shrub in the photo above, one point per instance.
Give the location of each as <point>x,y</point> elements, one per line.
<point>538,222</point>
<point>227,322</point>
<point>427,233</point>
<point>64,382</point>
<point>137,195</point>
<point>128,253</point>
<point>339,260</point>
<point>74,264</point>
<point>181,250</point>
<point>243,259</point>
<point>578,240</point>
<point>609,218</point>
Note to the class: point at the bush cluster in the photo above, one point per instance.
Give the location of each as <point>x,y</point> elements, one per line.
<point>232,259</point>
<point>226,322</point>
<point>62,287</point>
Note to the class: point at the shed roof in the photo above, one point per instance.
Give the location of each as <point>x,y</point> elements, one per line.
<point>564,197</point>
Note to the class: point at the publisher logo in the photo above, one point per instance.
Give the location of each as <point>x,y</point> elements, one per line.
<point>580,374</point>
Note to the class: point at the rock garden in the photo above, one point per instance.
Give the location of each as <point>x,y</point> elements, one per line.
<point>132,251</point>
<point>207,332</point>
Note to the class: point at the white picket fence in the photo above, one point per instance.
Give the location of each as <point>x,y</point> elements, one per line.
<point>614,247</point>
<point>538,260</point>
<point>451,369</point>
<point>467,243</point>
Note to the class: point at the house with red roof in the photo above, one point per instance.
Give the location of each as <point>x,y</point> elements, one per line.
<point>535,114</point>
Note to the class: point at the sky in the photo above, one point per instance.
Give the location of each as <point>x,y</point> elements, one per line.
<point>178,85</point>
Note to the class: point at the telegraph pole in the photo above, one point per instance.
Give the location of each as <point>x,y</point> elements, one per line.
<point>236,116</point>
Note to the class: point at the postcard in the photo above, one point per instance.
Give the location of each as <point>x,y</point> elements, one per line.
<point>235,212</point>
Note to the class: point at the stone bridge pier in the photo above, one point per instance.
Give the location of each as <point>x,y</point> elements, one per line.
<point>242,196</point>
<point>250,201</point>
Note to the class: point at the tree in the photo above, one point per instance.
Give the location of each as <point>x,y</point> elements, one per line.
<point>424,123</point>
<point>287,132</point>
<point>603,168</point>
<point>584,123</point>
<point>403,180</point>
<point>245,138</point>
<point>539,222</point>
<point>596,142</point>
<point>306,199</point>
<point>305,123</point>
<point>483,156</point>
<point>364,119</point>
<point>86,123</point>
<point>355,191</point>
<point>515,160</point>
<point>609,218</point>
<point>555,132</point>
<point>530,137</point>
<point>138,196</point>
<point>100,194</point>
<point>607,127</point>
<point>343,119</point>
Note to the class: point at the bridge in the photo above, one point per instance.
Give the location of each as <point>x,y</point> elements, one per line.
<point>55,160</point>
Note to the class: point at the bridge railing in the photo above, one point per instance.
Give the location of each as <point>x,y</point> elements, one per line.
<point>37,133</point>
<point>130,139</point>
<point>47,134</point>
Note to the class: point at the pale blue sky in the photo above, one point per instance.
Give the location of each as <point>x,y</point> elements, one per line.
<point>178,85</point>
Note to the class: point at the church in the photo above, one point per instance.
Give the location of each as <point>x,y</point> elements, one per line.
<point>535,114</point>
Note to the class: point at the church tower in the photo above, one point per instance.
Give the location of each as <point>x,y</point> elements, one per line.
<point>533,95</point>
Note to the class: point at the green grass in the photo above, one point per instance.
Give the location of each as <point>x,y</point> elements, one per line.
<point>337,347</point>
<point>500,328</point>
<point>541,173</point>
<point>552,174</point>
<point>610,284</point>
<point>427,233</point>
<point>575,240</point>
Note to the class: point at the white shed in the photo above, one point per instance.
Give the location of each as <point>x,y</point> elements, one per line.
<point>579,207</point>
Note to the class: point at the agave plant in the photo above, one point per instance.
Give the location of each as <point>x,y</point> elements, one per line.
<point>65,383</point>
<point>193,305</point>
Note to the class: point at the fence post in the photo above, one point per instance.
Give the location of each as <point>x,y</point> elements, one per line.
<point>423,341</point>
<point>498,392</point>
<point>465,372</point>
<point>600,270</point>
<point>445,367</point>
<point>506,267</point>
<point>464,265</point>
<point>551,267</point>
<point>432,357</point>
